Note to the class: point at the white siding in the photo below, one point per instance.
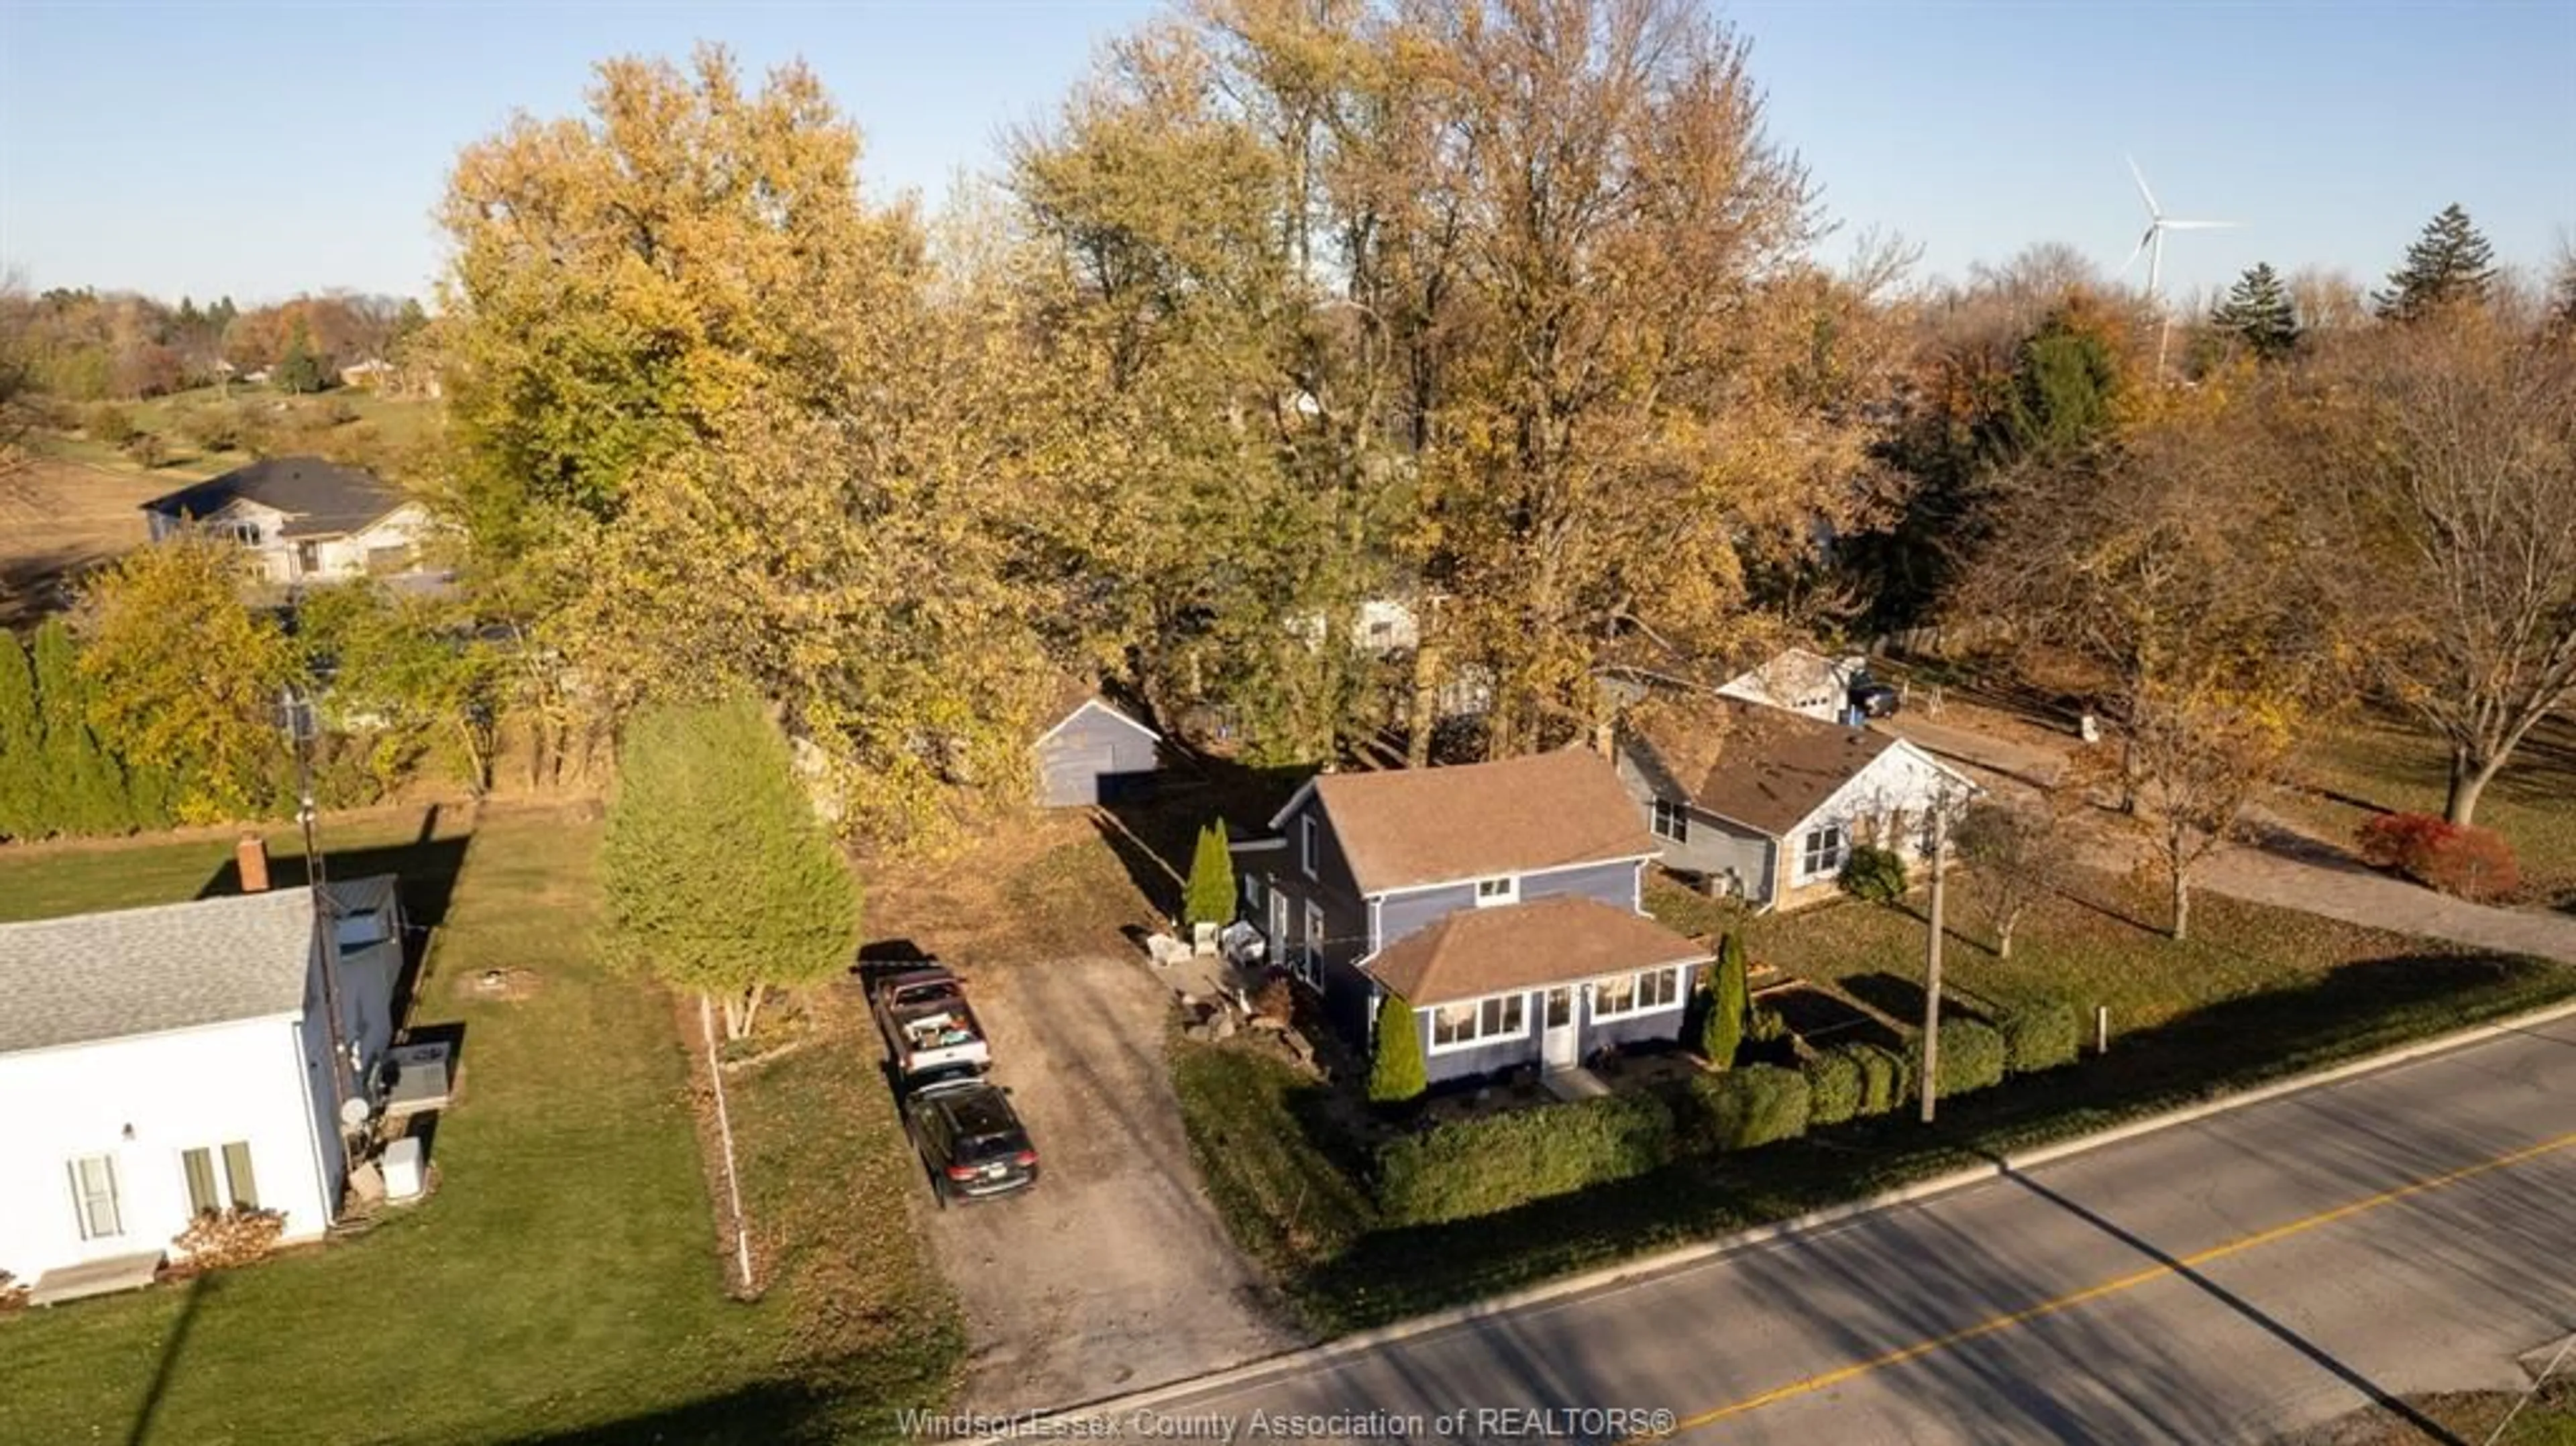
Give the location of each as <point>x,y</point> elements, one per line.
<point>179,1091</point>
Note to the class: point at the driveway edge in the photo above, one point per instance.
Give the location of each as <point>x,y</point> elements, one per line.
<point>1679,1257</point>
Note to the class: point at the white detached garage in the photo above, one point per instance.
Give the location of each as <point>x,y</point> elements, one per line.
<point>1093,753</point>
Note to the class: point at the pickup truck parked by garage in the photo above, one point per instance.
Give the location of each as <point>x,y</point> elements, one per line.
<point>927,1024</point>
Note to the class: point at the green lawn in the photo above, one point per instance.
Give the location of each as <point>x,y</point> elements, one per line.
<point>2098,949</point>
<point>565,1280</point>
<point>2261,994</point>
<point>2371,763</point>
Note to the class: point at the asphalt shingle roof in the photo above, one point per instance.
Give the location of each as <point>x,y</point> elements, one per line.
<point>1561,939</point>
<point>320,499</point>
<point>1764,767</point>
<point>140,971</point>
<point>1414,826</point>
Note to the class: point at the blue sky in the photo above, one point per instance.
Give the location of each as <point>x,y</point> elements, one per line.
<point>259,150</point>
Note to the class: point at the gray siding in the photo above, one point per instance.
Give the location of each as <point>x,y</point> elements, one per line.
<point>1348,994</point>
<point>1658,1026</point>
<point>1715,846</point>
<point>1613,883</point>
<point>1401,914</point>
<point>1475,1059</point>
<point>1086,760</point>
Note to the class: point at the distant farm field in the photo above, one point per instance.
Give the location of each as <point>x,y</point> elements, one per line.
<point>58,517</point>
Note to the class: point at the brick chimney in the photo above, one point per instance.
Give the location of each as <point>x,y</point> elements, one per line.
<point>250,859</point>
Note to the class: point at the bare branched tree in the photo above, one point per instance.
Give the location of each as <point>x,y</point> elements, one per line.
<point>2442,523</point>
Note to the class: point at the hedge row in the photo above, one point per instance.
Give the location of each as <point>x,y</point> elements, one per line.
<point>1753,1104</point>
<point>1467,1168</point>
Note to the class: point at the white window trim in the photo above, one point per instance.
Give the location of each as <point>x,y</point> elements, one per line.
<point>1798,871</point>
<point>1306,844</point>
<point>1431,1033</point>
<point>1310,957</point>
<point>1510,894</point>
<point>1669,820</point>
<point>1602,1015</point>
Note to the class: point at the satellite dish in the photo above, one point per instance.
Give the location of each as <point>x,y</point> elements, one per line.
<point>354,1112</point>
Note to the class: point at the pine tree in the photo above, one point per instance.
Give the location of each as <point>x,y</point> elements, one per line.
<point>1209,898</point>
<point>299,371</point>
<point>2258,312</point>
<point>719,876</point>
<point>22,779</point>
<point>1396,1073</point>
<point>84,790</point>
<point>1729,1000</point>
<point>2450,263</point>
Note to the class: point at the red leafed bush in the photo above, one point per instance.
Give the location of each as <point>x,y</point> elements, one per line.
<point>2459,859</point>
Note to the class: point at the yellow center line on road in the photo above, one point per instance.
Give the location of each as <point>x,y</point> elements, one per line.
<point>1828,1379</point>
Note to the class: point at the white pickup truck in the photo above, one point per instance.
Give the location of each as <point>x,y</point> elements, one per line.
<point>927,1023</point>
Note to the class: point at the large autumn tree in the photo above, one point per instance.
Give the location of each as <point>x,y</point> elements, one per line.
<point>711,432</point>
<point>1506,304</point>
<point>184,678</point>
<point>2443,510</point>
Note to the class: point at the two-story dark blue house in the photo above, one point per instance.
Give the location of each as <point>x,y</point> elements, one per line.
<point>1501,901</point>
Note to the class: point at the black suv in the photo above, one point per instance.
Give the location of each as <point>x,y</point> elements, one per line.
<point>1873,699</point>
<point>970,1139</point>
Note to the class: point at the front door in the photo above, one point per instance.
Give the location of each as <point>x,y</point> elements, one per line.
<point>1558,1037</point>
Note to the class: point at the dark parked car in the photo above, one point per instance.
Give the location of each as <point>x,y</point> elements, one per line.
<point>970,1139</point>
<point>1872,698</point>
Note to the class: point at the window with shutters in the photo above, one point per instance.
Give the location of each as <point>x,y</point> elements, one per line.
<point>94,1199</point>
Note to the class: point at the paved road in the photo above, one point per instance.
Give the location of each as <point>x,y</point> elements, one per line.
<point>2410,1230</point>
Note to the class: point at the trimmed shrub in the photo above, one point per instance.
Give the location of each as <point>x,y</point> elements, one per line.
<point>2463,860</point>
<point>1882,1078</point>
<point>1833,1087</point>
<point>2041,1036</point>
<point>2395,840</point>
<point>1209,897</point>
<point>1396,1073</point>
<point>1972,1057</point>
<point>1873,873</point>
<point>1763,1025</point>
<point>1754,1105</point>
<point>1722,1013</point>
<point>1468,1168</point>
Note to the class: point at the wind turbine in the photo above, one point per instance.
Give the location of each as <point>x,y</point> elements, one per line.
<point>2151,244</point>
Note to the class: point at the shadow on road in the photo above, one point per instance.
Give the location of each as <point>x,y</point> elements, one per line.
<point>2433,1430</point>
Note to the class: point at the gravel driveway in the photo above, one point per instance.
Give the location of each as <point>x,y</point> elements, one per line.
<point>1114,1274</point>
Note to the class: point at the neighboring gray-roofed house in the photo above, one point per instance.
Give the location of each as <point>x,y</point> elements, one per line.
<point>1765,803</point>
<point>305,519</point>
<point>160,1061</point>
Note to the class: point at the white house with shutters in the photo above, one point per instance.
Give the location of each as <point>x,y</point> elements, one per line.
<point>156,1063</point>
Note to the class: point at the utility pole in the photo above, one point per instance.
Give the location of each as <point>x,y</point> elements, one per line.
<point>1932,958</point>
<point>297,712</point>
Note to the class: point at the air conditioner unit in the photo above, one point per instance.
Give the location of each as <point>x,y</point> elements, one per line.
<point>402,1166</point>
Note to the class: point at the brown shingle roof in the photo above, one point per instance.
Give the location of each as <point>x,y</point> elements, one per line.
<point>1763,767</point>
<point>1417,826</point>
<point>1556,940</point>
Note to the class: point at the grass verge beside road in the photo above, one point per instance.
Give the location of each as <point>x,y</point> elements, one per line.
<point>2330,1001</point>
<point>565,1281</point>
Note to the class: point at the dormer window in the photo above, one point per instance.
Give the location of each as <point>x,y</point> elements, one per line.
<point>1505,890</point>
